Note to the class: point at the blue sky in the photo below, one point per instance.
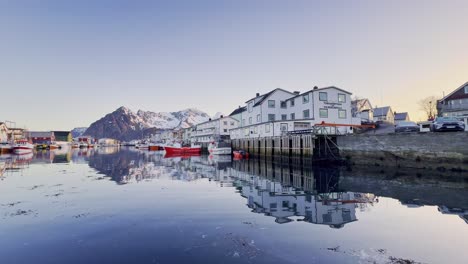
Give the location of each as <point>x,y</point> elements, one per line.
<point>67,63</point>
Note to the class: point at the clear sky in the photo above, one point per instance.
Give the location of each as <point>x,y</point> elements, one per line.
<point>65,64</point>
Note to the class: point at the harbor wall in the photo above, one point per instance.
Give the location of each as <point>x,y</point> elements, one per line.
<point>438,151</point>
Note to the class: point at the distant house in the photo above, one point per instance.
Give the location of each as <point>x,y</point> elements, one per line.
<point>384,114</point>
<point>3,132</point>
<point>37,137</point>
<point>401,117</point>
<point>362,109</point>
<point>63,136</point>
<point>455,103</point>
<point>214,130</point>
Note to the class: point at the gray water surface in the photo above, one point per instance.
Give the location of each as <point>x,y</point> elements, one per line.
<point>128,206</point>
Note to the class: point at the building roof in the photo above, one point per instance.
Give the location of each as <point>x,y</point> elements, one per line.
<point>40,134</point>
<point>360,103</point>
<point>318,89</point>
<point>214,120</point>
<point>238,111</point>
<point>401,116</point>
<point>265,96</point>
<point>456,90</point>
<point>381,111</point>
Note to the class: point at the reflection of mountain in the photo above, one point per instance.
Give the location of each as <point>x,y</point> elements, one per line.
<point>125,166</point>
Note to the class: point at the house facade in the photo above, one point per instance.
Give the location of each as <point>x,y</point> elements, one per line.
<point>401,117</point>
<point>362,109</point>
<point>454,104</point>
<point>45,137</point>
<point>384,114</point>
<point>213,130</point>
<point>64,136</point>
<point>280,111</point>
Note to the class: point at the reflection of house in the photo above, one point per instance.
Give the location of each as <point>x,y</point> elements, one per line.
<point>455,103</point>
<point>401,117</point>
<point>86,139</point>
<point>283,203</point>
<point>362,109</point>
<point>65,136</point>
<point>41,137</point>
<point>384,114</point>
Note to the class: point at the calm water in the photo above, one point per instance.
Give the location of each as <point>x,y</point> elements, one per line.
<point>126,206</point>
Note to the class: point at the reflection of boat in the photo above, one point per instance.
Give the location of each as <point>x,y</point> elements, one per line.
<point>5,147</point>
<point>75,145</point>
<point>155,147</point>
<point>53,146</point>
<point>240,154</point>
<point>221,148</point>
<point>142,146</point>
<point>182,150</point>
<point>181,155</point>
<point>23,146</point>
<point>83,145</point>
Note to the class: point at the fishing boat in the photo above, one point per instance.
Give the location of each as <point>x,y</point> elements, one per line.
<point>221,148</point>
<point>175,150</point>
<point>83,145</point>
<point>75,145</point>
<point>23,146</point>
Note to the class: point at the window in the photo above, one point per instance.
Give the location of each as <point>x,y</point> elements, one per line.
<point>293,116</point>
<point>292,102</point>
<point>225,130</point>
<point>342,98</point>
<point>284,117</point>
<point>306,114</point>
<point>305,98</point>
<point>342,114</point>
<point>271,103</point>
<point>232,124</point>
<point>267,128</point>
<point>259,118</point>
<point>271,117</point>
<point>255,130</point>
<point>324,113</point>
<point>250,120</point>
<point>225,123</point>
<point>323,96</point>
<point>283,104</point>
<point>466,89</point>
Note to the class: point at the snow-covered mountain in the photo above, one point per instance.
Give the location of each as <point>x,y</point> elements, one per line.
<point>124,124</point>
<point>78,131</point>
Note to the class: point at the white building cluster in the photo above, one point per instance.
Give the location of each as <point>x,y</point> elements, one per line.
<point>278,112</point>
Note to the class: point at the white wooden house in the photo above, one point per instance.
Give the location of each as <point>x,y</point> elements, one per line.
<point>384,114</point>
<point>280,111</point>
<point>213,130</point>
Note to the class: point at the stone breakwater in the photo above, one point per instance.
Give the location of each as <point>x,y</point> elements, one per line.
<point>434,151</point>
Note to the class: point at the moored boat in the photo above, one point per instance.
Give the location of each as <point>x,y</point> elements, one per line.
<point>23,146</point>
<point>153,147</point>
<point>174,150</point>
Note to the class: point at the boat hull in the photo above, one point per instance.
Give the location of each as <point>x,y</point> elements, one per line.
<point>22,150</point>
<point>182,150</point>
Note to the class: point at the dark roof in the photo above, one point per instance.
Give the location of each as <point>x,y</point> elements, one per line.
<point>265,96</point>
<point>401,116</point>
<point>318,89</point>
<point>238,111</point>
<point>456,90</point>
<point>41,134</point>
<point>381,111</point>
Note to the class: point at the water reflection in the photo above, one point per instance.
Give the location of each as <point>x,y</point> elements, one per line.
<point>286,191</point>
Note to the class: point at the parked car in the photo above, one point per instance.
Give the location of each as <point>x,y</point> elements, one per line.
<point>447,124</point>
<point>406,126</point>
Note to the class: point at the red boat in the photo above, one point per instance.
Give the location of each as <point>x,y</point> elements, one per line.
<point>155,148</point>
<point>240,154</point>
<point>179,155</point>
<point>182,150</point>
